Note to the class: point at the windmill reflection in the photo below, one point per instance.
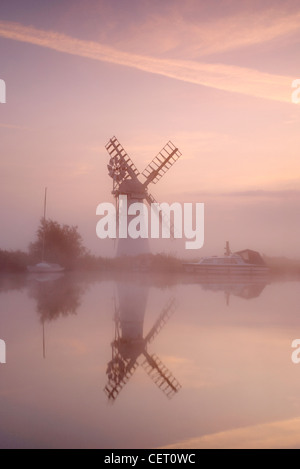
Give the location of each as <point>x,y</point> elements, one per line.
<point>129,347</point>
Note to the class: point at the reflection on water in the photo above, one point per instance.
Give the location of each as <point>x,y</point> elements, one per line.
<point>129,343</point>
<point>228,345</point>
<point>246,287</point>
<point>12,282</point>
<point>56,295</point>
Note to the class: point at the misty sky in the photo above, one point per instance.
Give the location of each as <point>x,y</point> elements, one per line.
<point>214,77</point>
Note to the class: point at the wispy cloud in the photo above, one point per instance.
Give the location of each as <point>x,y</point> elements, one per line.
<point>263,193</point>
<point>283,434</point>
<point>246,29</point>
<point>286,194</point>
<point>223,77</point>
<point>13,126</point>
<point>195,37</point>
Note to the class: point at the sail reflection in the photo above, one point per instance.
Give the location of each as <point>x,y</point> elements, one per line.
<point>130,346</point>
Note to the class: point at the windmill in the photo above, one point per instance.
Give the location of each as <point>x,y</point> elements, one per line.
<point>130,347</point>
<point>124,174</point>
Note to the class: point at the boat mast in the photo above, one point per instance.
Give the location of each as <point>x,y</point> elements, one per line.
<point>44,341</point>
<point>44,225</point>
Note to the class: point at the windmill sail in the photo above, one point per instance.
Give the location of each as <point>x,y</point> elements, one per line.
<point>119,377</point>
<point>165,315</point>
<point>120,166</point>
<point>161,376</point>
<point>161,163</point>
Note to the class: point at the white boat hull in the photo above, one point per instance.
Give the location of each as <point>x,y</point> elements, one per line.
<point>44,268</point>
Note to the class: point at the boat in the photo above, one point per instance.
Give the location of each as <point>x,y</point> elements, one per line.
<point>246,262</point>
<point>44,267</point>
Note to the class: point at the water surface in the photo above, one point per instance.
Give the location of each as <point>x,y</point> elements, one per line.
<point>145,362</point>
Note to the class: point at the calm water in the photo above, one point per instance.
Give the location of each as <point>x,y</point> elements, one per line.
<point>148,362</point>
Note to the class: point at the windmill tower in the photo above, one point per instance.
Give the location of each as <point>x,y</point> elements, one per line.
<point>130,346</point>
<point>126,182</point>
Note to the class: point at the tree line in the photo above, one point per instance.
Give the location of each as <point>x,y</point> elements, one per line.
<point>63,245</point>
